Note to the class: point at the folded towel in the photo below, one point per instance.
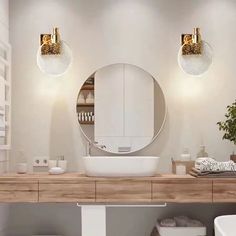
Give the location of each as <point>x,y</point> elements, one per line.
<point>212,174</point>
<point>181,221</point>
<point>178,221</point>
<point>203,173</point>
<point>168,223</point>
<point>194,223</point>
<point>209,164</point>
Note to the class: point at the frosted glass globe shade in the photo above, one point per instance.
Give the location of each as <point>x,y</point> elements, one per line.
<point>55,65</point>
<point>196,65</point>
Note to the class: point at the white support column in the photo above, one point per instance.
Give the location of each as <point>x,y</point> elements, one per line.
<point>93,220</point>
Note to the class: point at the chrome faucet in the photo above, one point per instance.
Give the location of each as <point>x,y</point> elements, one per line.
<point>89,147</point>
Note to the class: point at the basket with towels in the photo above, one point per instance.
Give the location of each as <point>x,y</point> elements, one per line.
<point>209,167</point>
<point>179,226</point>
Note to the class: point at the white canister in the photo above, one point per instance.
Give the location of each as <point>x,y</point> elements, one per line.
<point>185,156</point>
<point>181,169</point>
<point>22,168</point>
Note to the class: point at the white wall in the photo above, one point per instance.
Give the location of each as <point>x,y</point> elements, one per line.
<point>4,20</point>
<point>140,32</point>
<point>4,36</point>
<point>64,219</point>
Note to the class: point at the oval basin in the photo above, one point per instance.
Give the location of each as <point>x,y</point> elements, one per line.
<point>120,166</point>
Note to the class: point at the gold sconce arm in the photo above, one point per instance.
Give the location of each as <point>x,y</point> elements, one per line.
<point>192,43</point>
<point>51,43</point>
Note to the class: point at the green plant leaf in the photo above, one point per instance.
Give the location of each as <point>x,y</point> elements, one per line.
<point>229,125</point>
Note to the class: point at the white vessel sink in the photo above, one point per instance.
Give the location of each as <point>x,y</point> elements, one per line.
<point>225,225</point>
<point>115,166</point>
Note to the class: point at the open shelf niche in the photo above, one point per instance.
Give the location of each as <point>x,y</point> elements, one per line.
<point>85,110</point>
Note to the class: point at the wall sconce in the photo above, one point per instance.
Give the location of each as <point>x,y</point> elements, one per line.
<point>195,55</point>
<point>54,56</point>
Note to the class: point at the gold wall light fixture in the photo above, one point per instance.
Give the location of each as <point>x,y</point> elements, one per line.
<point>50,43</point>
<point>54,56</point>
<point>195,55</point>
<point>192,43</point>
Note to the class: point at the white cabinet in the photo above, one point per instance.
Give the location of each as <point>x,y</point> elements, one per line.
<point>139,103</point>
<point>124,107</point>
<point>109,100</point>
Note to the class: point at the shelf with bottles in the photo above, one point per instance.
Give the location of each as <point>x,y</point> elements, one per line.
<point>85,105</point>
<point>87,87</point>
<point>86,122</point>
<point>85,99</point>
<point>88,108</point>
<point>86,118</point>
<point>86,94</point>
<point>89,84</point>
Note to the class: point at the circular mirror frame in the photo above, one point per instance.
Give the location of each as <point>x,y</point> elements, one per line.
<point>154,137</point>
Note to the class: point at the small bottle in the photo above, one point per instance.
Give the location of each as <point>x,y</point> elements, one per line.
<point>62,163</point>
<point>82,117</point>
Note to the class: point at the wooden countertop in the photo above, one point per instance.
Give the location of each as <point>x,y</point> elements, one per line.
<point>76,187</point>
<point>79,176</point>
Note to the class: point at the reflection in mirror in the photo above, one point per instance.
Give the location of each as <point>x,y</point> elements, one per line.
<point>121,108</point>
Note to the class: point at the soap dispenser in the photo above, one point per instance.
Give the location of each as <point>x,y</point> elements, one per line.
<point>202,153</point>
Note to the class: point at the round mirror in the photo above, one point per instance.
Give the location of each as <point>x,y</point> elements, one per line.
<point>121,108</point>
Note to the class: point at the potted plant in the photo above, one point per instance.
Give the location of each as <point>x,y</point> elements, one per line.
<point>229,126</point>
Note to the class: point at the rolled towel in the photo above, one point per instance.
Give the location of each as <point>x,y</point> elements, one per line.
<point>181,221</point>
<point>194,223</point>
<point>168,223</point>
<point>200,160</point>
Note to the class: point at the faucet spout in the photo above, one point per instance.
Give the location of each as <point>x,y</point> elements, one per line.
<point>89,145</point>
<point>101,146</point>
<point>88,148</point>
